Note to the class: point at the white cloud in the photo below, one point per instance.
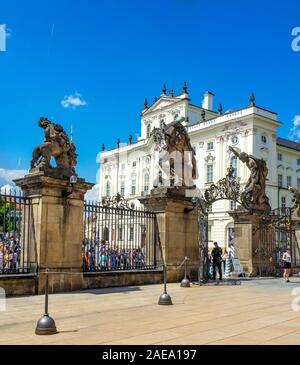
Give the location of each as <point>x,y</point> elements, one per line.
<point>93,194</point>
<point>7,189</point>
<point>9,175</point>
<point>73,101</point>
<point>295,131</point>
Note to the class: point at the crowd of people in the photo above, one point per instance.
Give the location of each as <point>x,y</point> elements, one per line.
<point>10,253</point>
<point>102,257</point>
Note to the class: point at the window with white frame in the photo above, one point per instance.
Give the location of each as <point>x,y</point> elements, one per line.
<point>148,131</point>
<point>280,180</point>
<point>108,189</point>
<point>210,146</point>
<point>283,202</point>
<point>298,182</point>
<point>264,139</point>
<point>298,161</point>
<point>134,164</point>
<point>146,183</point>
<point>279,156</point>
<point>133,186</point>
<point>233,163</point>
<point>122,188</point>
<point>289,181</point>
<point>209,173</point>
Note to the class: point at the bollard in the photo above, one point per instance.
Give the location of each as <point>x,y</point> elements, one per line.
<point>165,298</point>
<point>46,324</point>
<point>185,283</point>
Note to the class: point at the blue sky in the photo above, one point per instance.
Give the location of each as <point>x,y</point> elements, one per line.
<point>110,55</point>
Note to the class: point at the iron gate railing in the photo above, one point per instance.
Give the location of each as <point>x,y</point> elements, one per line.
<point>118,238</point>
<point>15,219</point>
<point>272,244</point>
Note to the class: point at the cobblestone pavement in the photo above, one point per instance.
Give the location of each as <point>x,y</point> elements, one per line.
<point>259,311</point>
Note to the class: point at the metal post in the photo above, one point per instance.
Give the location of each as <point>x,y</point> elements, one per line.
<point>185,283</point>
<point>46,324</point>
<point>165,298</point>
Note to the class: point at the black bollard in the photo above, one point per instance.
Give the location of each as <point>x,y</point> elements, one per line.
<point>46,324</point>
<point>165,298</point>
<point>185,283</point>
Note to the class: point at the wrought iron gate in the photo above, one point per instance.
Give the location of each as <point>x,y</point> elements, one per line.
<point>16,254</point>
<point>274,238</point>
<point>118,236</point>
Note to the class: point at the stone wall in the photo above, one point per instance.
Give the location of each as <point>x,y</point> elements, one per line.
<point>95,280</point>
<point>27,284</point>
<point>17,285</point>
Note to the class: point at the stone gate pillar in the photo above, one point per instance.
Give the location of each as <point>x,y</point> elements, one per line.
<point>178,229</point>
<point>247,240</point>
<point>56,229</point>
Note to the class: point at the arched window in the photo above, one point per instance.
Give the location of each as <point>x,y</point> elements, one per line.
<point>108,189</point>
<point>146,183</point>
<point>233,163</point>
<point>161,124</point>
<point>148,130</point>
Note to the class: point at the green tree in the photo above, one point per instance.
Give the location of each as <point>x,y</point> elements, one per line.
<point>8,220</point>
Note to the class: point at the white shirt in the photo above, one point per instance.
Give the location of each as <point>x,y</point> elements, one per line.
<point>287,257</point>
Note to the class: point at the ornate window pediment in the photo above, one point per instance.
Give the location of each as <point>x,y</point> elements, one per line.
<point>209,158</point>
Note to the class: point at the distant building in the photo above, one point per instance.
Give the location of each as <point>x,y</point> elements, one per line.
<point>252,129</point>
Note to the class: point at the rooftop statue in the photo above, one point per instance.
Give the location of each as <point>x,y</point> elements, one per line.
<point>58,145</point>
<point>173,140</point>
<point>254,194</point>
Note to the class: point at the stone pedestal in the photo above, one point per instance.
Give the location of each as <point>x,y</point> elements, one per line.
<point>247,240</point>
<point>56,229</point>
<point>178,230</point>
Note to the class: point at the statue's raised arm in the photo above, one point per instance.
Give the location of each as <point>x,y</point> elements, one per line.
<point>234,151</point>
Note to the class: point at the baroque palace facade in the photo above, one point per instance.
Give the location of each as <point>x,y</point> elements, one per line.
<point>129,169</point>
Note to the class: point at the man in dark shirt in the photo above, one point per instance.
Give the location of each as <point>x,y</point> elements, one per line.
<point>217,260</point>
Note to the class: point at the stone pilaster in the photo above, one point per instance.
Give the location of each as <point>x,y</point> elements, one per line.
<point>178,229</point>
<point>56,229</point>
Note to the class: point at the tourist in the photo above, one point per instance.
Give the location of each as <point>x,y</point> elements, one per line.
<point>287,264</point>
<point>224,258</point>
<point>217,260</point>
<point>103,261</point>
